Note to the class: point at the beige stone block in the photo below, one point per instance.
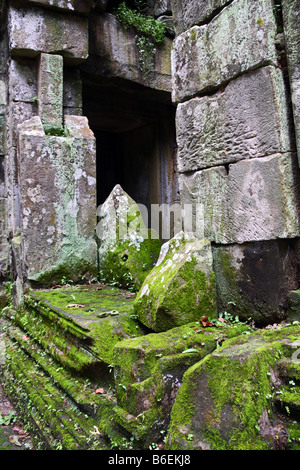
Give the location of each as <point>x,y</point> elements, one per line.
<point>33,30</point>
<point>258,199</point>
<point>239,39</point>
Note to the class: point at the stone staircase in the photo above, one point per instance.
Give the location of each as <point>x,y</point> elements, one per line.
<point>54,371</point>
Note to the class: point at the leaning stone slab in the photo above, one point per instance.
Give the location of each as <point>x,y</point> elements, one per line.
<point>57,187</point>
<point>34,30</point>
<point>291,14</point>
<point>257,199</point>
<point>247,120</point>
<point>188,13</point>
<point>127,249</point>
<point>239,39</point>
<point>181,287</point>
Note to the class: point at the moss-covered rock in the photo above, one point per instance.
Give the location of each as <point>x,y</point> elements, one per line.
<point>225,401</point>
<point>181,287</point>
<point>127,249</point>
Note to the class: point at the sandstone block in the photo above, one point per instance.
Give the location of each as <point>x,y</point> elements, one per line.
<point>253,280</point>
<point>4,250</point>
<point>181,286</point>
<point>22,80</point>
<point>118,55</point>
<point>50,92</point>
<point>256,200</point>
<point>237,40</point>
<point>249,119</point>
<point>291,13</point>
<point>127,249</point>
<point>80,6</point>
<point>188,13</point>
<point>32,31</point>
<point>58,201</point>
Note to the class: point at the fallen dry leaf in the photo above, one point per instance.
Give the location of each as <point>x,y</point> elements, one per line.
<point>75,306</point>
<point>100,390</point>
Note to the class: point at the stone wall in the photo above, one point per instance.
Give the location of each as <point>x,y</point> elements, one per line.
<point>236,149</point>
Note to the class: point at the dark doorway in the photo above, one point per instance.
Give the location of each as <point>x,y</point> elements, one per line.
<point>134,128</point>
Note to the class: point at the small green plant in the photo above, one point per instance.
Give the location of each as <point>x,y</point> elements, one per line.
<point>8,419</point>
<point>149,32</point>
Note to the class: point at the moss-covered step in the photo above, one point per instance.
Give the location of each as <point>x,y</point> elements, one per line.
<point>226,400</point>
<point>149,370</point>
<point>89,319</point>
<point>61,423</point>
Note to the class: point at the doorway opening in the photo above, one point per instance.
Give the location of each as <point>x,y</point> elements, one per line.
<point>134,128</point>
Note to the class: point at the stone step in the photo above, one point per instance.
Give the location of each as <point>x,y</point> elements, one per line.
<point>54,413</point>
<point>80,390</point>
<point>287,399</point>
<point>289,369</point>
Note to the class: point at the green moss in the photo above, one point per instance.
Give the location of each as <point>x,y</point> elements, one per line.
<point>128,264</point>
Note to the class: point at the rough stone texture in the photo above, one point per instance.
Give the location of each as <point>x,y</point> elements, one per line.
<point>239,39</point>
<point>249,119</point>
<point>162,7</point>
<point>224,400</point>
<point>57,186</point>
<point>79,6</point>
<point>254,280</point>
<point>3,237</point>
<point>50,92</point>
<point>256,200</point>
<point>188,13</point>
<point>291,19</point>
<point>127,249</point>
<point>72,92</point>
<point>117,54</point>
<point>32,31</point>
<point>181,286</point>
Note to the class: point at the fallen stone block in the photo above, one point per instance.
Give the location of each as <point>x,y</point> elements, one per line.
<point>247,120</point>
<point>181,286</point>
<point>78,6</point>
<point>241,38</point>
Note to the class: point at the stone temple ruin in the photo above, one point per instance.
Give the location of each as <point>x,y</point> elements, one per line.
<point>181,339</point>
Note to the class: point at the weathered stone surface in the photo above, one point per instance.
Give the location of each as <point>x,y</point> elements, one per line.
<point>188,13</point>
<point>72,92</point>
<point>162,7</point>
<point>249,119</point>
<point>57,187</point>
<point>224,399</point>
<point>32,31</point>
<point>256,200</point>
<point>291,15</point>
<point>150,368</point>
<point>80,6</point>
<point>2,177</point>
<point>253,280</point>
<point>181,286</point>
<point>50,92</point>
<point>239,39</point>
<point>127,249</point>
<point>118,55</point>
<point>4,250</point>
<point>22,74</point>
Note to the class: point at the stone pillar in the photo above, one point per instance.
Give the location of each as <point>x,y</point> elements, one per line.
<point>50,93</point>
